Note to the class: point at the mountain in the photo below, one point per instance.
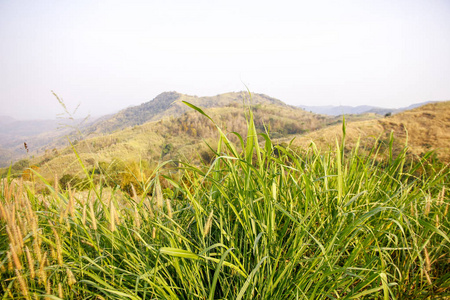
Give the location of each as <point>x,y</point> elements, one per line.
<point>424,128</point>
<point>361,109</point>
<point>337,110</point>
<point>45,135</point>
<point>170,104</point>
<point>6,120</point>
<point>143,131</point>
<point>175,132</point>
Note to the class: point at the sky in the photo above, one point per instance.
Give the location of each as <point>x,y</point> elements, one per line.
<point>108,55</point>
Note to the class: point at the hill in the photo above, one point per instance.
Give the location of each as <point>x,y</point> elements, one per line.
<point>171,130</point>
<point>361,109</point>
<point>38,134</point>
<point>48,135</point>
<point>424,128</point>
<point>171,104</point>
<point>177,138</point>
<point>6,119</point>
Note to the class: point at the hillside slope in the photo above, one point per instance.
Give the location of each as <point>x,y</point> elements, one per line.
<point>171,104</point>
<point>46,135</point>
<point>178,138</point>
<point>424,128</point>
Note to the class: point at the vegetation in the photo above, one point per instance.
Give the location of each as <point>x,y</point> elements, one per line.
<point>169,104</point>
<point>423,129</point>
<point>258,222</point>
<point>110,134</point>
<point>174,138</point>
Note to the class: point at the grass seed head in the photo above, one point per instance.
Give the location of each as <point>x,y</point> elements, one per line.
<point>60,290</point>
<point>10,235</point>
<point>112,216</point>
<point>137,218</point>
<point>70,277</point>
<point>37,250</point>
<point>3,215</point>
<point>71,206</point>
<point>48,288</point>
<point>34,226</point>
<point>159,196</point>
<point>441,196</point>
<point>83,217</point>
<point>427,206</point>
<point>427,260</point>
<point>22,284</point>
<point>19,238</point>
<point>10,263</point>
<point>92,215</point>
<point>208,224</point>
<point>42,272</point>
<point>135,197</point>
<point>169,209</point>
<point>30,262</point>
<point>15,258</point>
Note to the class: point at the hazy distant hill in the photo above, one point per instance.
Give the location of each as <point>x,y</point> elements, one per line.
<point>361,109</point>
<point>6,120</point>
<point>38,134</point>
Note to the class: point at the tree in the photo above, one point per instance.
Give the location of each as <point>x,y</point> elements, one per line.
<point>166,149</point>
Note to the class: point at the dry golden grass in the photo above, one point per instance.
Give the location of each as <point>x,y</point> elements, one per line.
<point>187,134</point>
<point>424,128</point>
<point>427,128</point>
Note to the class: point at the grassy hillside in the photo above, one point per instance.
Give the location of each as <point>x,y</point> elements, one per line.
<point>258,222</point>
<point>45,136</point>
<point>170,104</point>
<point>140,148</point>
<point>424,128</point>
<point>178,138</point>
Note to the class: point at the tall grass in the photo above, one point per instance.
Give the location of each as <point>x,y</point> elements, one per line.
<point>263,222</point>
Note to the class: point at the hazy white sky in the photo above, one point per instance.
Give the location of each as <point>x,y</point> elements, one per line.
<point>108,55</point>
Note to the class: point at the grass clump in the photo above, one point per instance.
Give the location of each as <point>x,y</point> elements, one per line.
<point>262,222</point>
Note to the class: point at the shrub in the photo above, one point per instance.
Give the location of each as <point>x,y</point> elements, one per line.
<point>68,179</point>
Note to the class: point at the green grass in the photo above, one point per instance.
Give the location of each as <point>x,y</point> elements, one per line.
<point>266,222</point>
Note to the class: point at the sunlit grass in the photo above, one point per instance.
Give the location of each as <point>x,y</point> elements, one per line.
<point>266,222</point>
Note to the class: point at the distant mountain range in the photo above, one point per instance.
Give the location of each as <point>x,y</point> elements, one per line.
<point>6,120</point>
<point>38,134</point>
<point>361,109</point>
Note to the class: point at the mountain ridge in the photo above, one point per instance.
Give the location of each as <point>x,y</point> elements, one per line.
<point>169,104</point>
<point>45,135</point>
<point>333,110</point>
